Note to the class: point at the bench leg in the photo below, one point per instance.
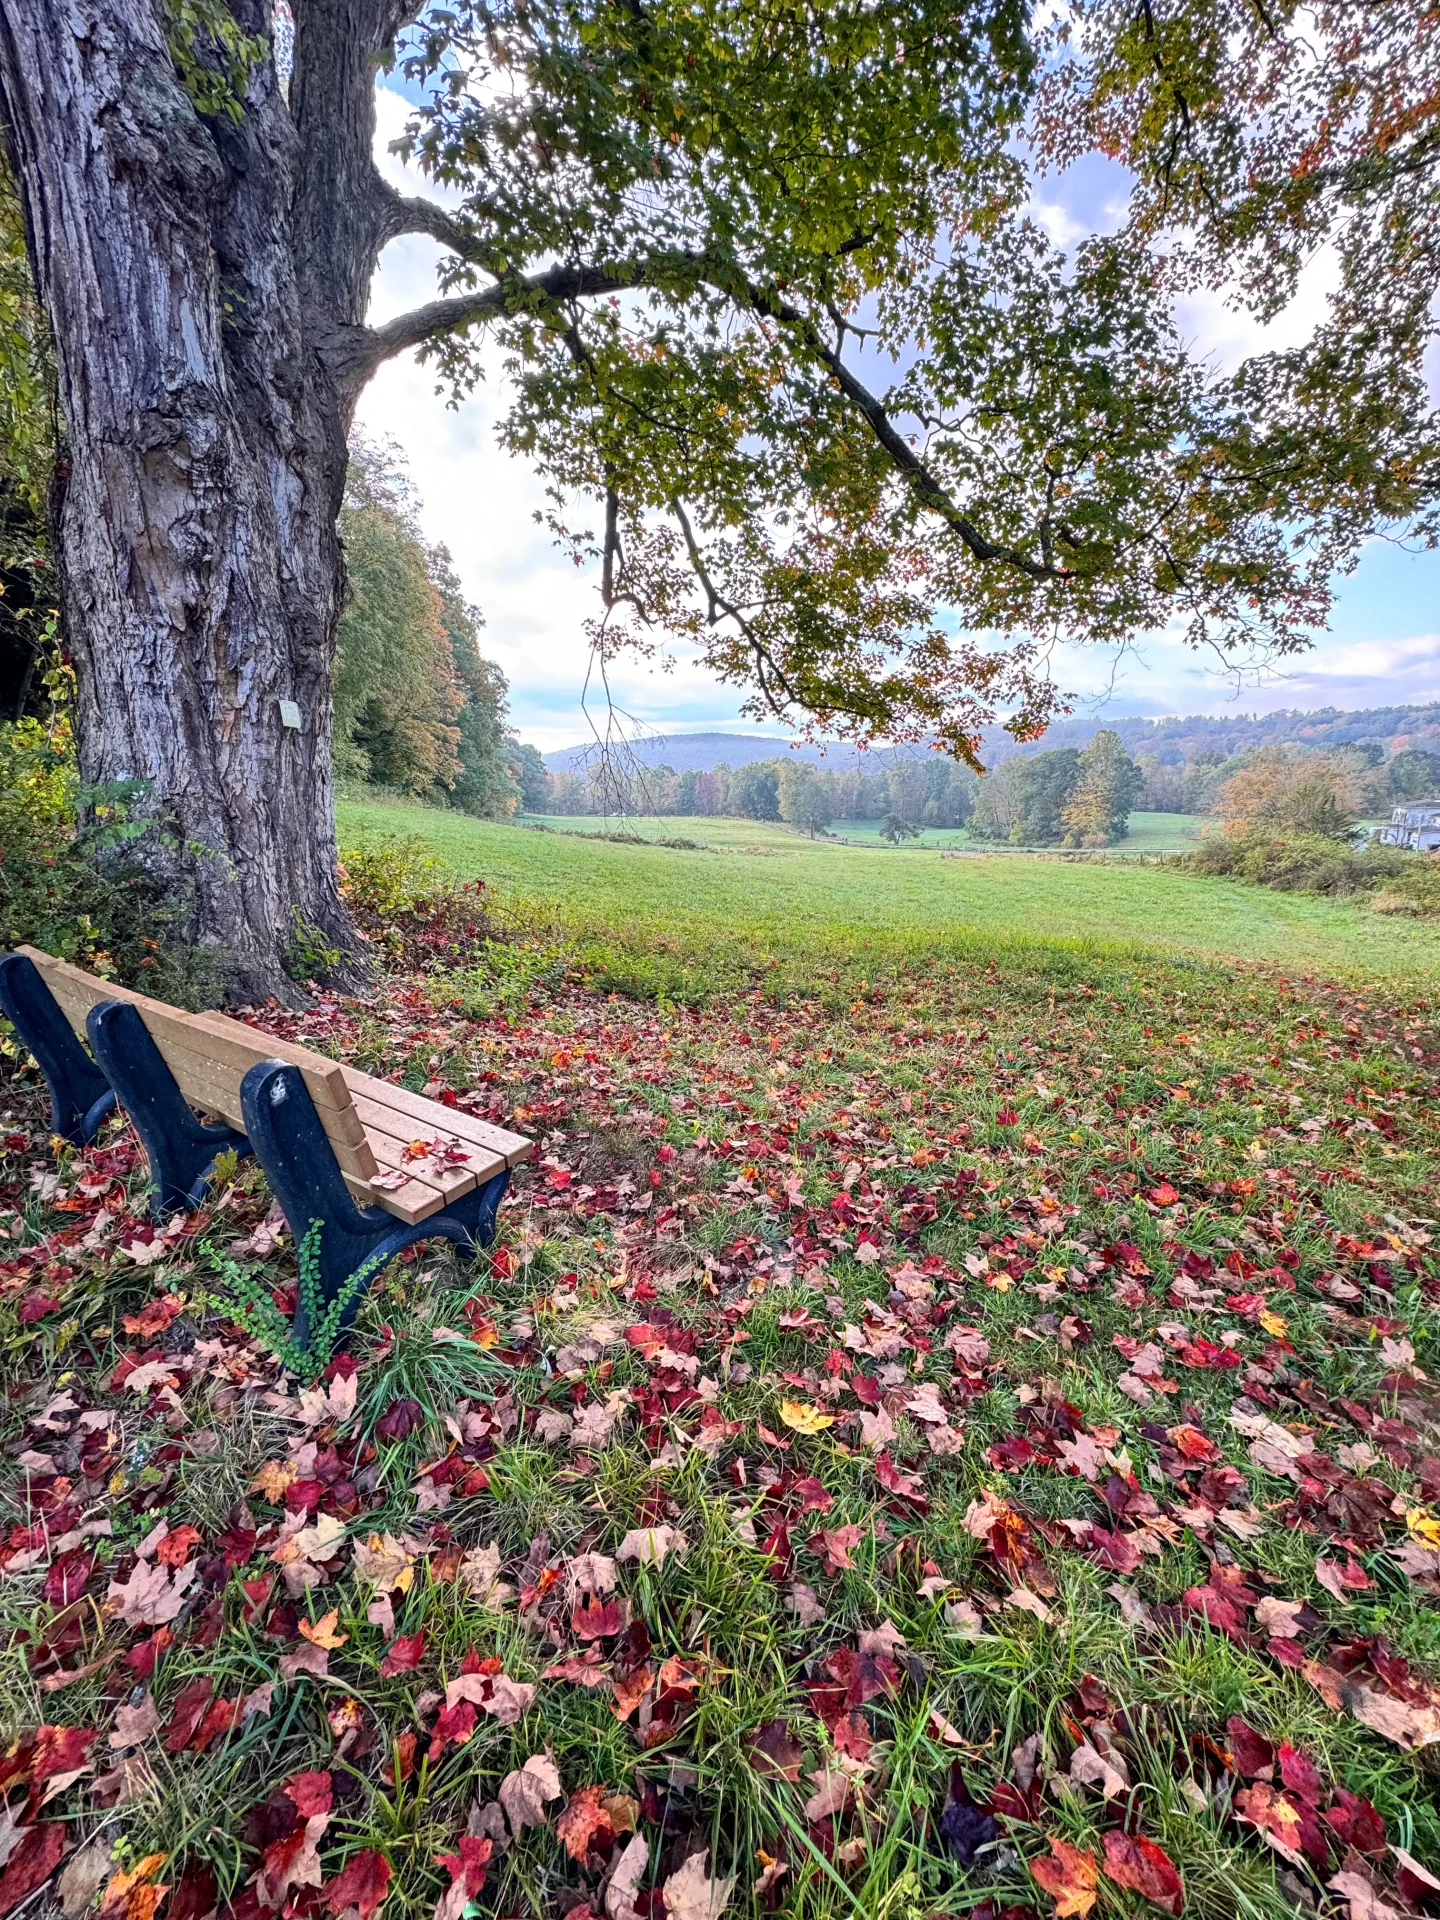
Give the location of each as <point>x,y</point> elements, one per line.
<point>181,1149</point>
<point>80,1097</point>
<point>354,1242</point>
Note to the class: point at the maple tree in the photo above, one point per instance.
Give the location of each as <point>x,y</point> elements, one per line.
<point>701,241</point>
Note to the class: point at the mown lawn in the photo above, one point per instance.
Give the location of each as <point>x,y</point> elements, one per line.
<point>1149,832</point>
<point>962,1446</point>
<point>758,896</point>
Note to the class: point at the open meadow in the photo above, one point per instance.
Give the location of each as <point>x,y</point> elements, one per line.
<point>948,1426</point>
<point>752,895</point>
<point>1149,832</point>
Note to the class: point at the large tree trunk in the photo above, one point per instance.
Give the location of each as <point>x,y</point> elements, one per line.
<point>193,284</point>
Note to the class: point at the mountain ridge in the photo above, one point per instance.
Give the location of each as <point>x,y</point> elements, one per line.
<point>1174,738</point>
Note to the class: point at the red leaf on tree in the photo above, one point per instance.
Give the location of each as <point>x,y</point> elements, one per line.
<point>1137,1863</point>
<point>37,1853</point>
<point>402,1655</point>
<point>362,1882</point>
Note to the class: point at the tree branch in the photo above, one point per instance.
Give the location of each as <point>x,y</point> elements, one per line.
<point>401,213</point>
<point>356,353</point>
<point>928,490</point>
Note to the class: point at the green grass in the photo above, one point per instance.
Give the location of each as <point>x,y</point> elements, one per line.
<point>909,1139</point>
<point>1149,832</point>
<point>756,897</point>
<point>1043,1158</point>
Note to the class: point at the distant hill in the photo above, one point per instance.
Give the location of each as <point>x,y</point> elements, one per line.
<point>1170,740</point>
<point>701,752</point>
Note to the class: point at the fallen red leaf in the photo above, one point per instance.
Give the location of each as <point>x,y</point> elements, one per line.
<point>60,1750</point>
<point>403,1655</point>
<point>1069,1875</point>
<point>312,1793</point>
<point>35,1857</point>
<point>1137,1863</point>
<point>582,1819</point>
<point>362,1883</point>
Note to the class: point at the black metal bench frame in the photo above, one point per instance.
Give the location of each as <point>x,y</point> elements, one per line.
<point>80,1094</point>
<point>282,1128</point>
<point>301,1167</point>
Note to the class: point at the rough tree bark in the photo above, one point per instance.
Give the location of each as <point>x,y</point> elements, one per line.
<point>206,280</point>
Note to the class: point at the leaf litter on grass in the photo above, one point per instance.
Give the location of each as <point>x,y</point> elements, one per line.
<point>975,1451</point>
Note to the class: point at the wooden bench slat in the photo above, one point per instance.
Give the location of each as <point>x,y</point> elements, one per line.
<point>431,1118</point>
<point>226,1040</point>
<point>368,1121</point>
<point>392,1132</point>
<point>411,1203</point>
<point>233,1039</point>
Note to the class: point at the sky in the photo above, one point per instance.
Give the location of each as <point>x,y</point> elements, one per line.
<point>1382,647</point>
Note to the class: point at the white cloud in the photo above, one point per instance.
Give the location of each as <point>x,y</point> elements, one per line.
<point>1163,676</point>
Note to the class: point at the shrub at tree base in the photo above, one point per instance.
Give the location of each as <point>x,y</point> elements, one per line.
<point>71,881</point>
<point>411,908</point>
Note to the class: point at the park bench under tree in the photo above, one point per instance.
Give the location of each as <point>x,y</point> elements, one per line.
<point>327,1136</point>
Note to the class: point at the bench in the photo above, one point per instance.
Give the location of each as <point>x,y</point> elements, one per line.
<point>378,1166</point>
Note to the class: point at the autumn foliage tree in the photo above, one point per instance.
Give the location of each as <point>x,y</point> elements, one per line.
<point>1284,792</point>
<point>800,368</point>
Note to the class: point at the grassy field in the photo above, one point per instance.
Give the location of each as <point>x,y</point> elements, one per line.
<point>963,1447</point>
<point>1149,832</point>
<point>754,896</point>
